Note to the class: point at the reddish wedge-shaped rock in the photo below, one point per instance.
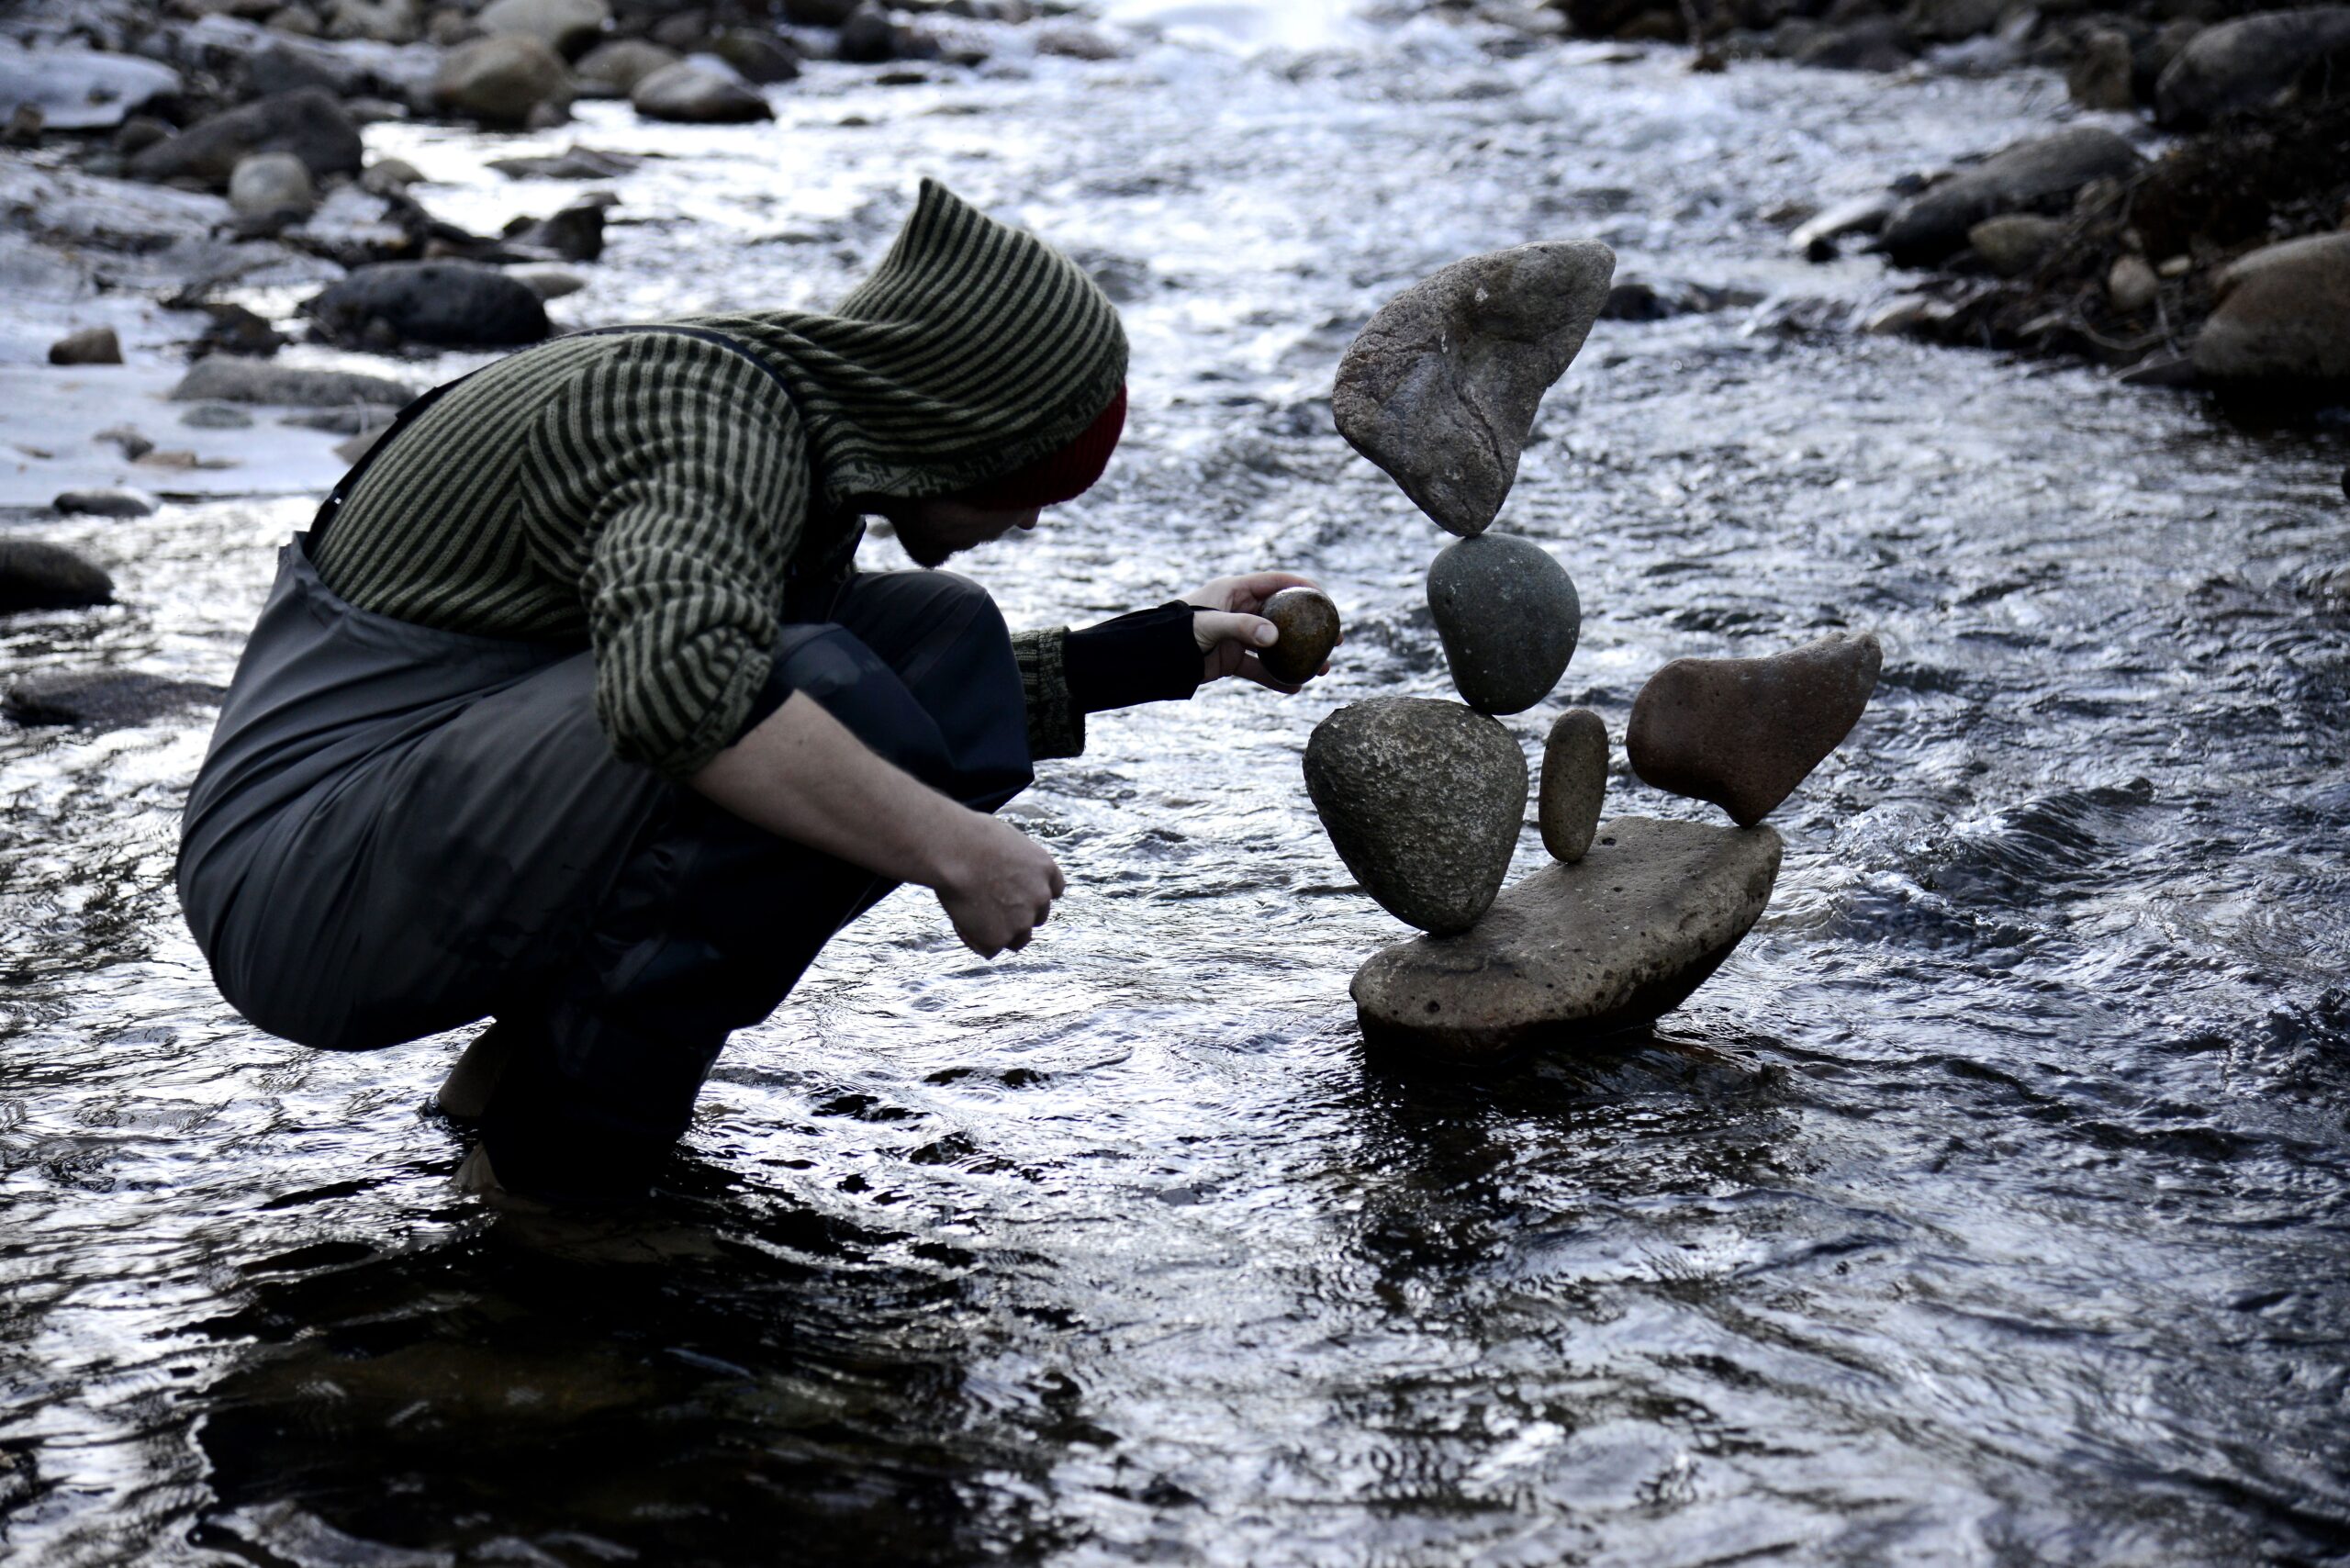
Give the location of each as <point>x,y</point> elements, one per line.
<point>1744,732</point>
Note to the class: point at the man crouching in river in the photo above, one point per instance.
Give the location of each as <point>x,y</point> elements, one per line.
<point>573,711</point>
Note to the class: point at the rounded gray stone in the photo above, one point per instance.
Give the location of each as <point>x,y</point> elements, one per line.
<point>1309,629</point>
<point>1508,616</point>
<point>1440,386</point>
<point>38,576</point>
<point>1574,783</point>
<point>1574,953</point>
<point>1423,800</point>
<point>687,92</point>
<point>106,503</point>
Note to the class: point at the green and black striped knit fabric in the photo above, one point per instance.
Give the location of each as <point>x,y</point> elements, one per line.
<point>651,492</point>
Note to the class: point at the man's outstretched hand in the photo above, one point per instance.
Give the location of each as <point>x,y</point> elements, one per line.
<point>1229,630</point>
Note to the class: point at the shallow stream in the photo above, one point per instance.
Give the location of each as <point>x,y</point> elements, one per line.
<point>1991,1205</point>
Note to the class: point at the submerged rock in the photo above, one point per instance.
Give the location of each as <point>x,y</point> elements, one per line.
<point>106,503</point>
<point>103,700</point>
<point>223,378</point>
<point>452,304</point>
<point>2249,63</point>
<point>1440,386</point>
<point>1574,783</point>
<point>1744,732</point>
<point>688,93</point>
<point>2030,176</point>
<point>1508,616</point>
<point>91,345</point>
<point>1575,952</point>
<point>1423,800</point>
<point>2283,319</point>
<point>308,124</point>
<point>36,576</point>
<point>1309,628</point>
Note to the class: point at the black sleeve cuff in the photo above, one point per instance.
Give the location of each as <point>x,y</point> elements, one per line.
<point>1148,656</point>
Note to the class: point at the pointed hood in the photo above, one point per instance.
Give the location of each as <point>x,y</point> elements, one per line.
<point>973,350</point>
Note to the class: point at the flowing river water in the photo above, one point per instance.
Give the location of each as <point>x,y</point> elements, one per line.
<point>1990,1206</point>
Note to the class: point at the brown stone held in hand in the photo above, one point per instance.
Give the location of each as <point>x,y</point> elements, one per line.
<point>1309,628</point>
<point>1744,732</point>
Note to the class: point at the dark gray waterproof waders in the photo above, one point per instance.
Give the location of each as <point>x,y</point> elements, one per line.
<point>399,831</point>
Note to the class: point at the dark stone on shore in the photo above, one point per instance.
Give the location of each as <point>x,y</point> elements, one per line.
<point>105,503</point>
<point>867,36</point>
<point>2252,62</point>
<point>2283,319</point>
<point>1508,615</point>
<point>223,379</point>
<point>763,59</point>
<point>1423,801</point>
<point>1309,628</point>
<point>2041,175</point>
<point>35,576</point>
<point>1744,732</point>
<point>1574,783</point>
<point>103,700</point>
<point>91,345</point>
<point>1440,388</point>
<point>575,234</point>
<point>217,417</point>
<point>448,304</point>
<point>1873,43</point>
<point>1576,952</point>
<point>621,65</point>
<point>2101,75</point>
<point>281,67</point>
<point>687,93</point>
<point>235,329</point>
<point>308,124</point>
<point>502,81</point>
<point>2015,242</point>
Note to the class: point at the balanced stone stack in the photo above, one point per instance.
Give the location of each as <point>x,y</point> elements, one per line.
<point>1424,799</point>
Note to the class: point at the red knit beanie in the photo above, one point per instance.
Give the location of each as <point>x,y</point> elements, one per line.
<point>1059,475</point>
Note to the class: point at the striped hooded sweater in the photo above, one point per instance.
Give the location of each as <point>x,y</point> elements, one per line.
<point>653,494</point>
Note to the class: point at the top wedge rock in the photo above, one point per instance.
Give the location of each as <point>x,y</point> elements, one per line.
<point>1440,386</point>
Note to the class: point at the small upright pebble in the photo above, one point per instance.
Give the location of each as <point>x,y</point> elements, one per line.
<point>91,345</point>
<point>1309,628</point>
<point>1574,783</point>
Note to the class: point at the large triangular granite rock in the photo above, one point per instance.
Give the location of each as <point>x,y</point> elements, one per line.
<point>1440,386</point>
<point>1614,941</point>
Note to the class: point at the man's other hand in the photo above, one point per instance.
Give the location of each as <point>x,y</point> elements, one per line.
<point>997,885</point>
<point>1229,630</point>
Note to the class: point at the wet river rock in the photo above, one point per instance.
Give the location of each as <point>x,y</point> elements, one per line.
<point>2283,319</point>
<point>38,576</point>
<point>105,503</point>
<point>308,124</point>
<point>1423,800</point>
<point>1309,628</point>
<point>500,81</point>
<point>1576,952</point>
<point>690,94</point>
<point>567,27</point>
<point>2250,63</point>
<point>1508,616</point>
<point>451,304</point>
<point>1440,386</point>
<point>2031,176</point>
<point>1744,732</point>
<point>1574,783</point>
<point>91,345</point>
<point>230,379</point>
<point>621,65</point>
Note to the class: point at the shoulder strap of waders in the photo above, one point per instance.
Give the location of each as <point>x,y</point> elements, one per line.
<point>416,409</point>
